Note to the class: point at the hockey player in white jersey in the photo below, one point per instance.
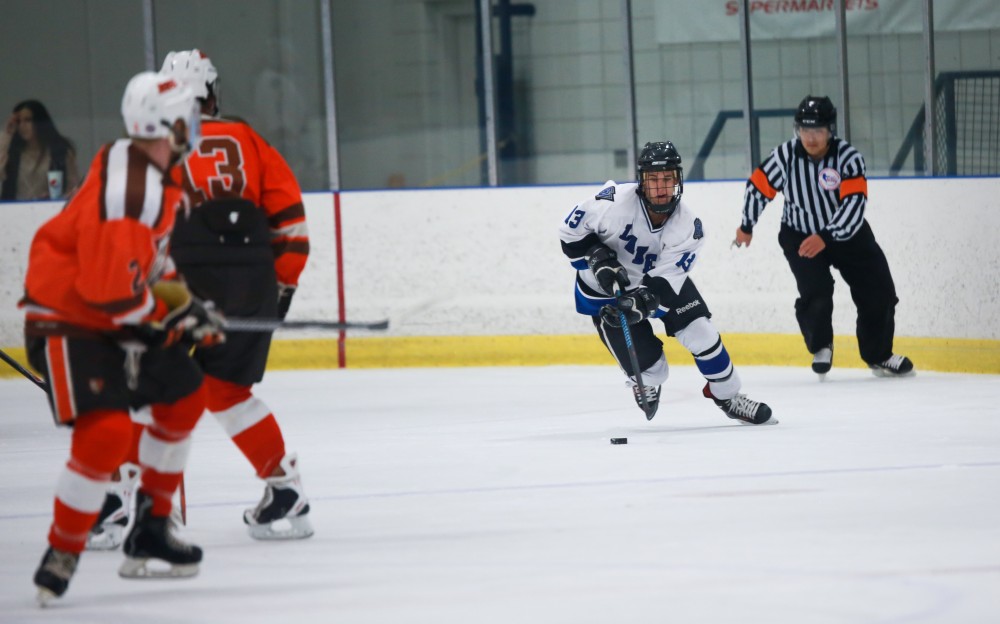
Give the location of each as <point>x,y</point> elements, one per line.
<point>640,240</point>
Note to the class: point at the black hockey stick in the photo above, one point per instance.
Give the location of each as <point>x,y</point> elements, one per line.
<point>634,361</point>
<point>266,325</point>
<point>33,378</point>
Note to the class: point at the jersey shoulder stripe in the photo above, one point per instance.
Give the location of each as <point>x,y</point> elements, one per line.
<point>132,185</point>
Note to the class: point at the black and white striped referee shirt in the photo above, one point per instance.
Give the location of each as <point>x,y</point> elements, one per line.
<point>827,197</point>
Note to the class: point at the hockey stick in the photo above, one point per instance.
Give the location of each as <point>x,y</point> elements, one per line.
<point>634,361</point>
<point>33,378</point>
<point>267,325</point>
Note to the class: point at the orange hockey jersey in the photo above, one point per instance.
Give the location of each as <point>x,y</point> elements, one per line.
<point>91,266</point>
<point>233,161</point>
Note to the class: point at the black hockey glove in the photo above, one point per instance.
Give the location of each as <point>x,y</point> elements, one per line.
<point>189,320</point>
<point>637,306</point>
<point>609,272</point>
<point>285,294</point>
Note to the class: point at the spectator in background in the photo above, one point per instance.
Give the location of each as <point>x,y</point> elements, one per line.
<point>36,162</point>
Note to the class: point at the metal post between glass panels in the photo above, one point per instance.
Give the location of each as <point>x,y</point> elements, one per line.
<point>753,148</point>
<point>631,140</point>
<point>929,121</point>
<point>149,35</point>
<point>329,101</point>
<point>844,121</point>
<point>489,89</point>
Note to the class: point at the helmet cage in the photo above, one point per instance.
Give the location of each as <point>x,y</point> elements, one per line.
<point>660,156</point>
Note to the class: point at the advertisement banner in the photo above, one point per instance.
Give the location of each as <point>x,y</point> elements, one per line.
<point>687,21</point>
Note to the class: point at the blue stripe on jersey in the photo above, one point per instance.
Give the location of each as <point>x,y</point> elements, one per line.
<point>580,265</point>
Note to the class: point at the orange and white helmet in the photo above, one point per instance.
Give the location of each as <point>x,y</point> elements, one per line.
<point>195,69</point>
<point>154,102</point>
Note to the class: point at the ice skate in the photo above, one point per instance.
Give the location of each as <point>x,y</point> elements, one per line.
<point>823,361</point>
<point>109,529</point>
<point>283,513</point>
<point>652,398</point>
<point>53,574</point>
<point>742,409</point>
<point>895,366</point>
<point>152,539</point>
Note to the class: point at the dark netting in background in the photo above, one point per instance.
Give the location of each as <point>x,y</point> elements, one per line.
<point>967,116</point>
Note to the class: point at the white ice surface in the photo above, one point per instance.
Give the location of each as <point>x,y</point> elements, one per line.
<point>493,495</point>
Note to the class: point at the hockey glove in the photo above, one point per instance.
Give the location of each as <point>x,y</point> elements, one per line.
<point>637,306</point>
<point>187,319</point>
<point>285,294</point>
<point>609,272</point>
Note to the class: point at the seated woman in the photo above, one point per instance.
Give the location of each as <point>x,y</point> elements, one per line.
<point>31,148</point>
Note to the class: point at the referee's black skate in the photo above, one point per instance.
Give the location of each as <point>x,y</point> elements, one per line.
<point>823,360</point>
<point>151,538</point>
<point>742,409</point>
<point>895,366</point>
<point>53,574</point>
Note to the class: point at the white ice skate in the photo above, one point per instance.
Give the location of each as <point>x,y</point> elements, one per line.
<point>283,513</point>
<point>109,530</point>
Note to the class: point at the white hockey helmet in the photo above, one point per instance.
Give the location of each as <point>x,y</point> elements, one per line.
<point>152,104</point>
<point>195,69</point>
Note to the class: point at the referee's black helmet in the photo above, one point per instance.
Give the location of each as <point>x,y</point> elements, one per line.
<point>816,111</point>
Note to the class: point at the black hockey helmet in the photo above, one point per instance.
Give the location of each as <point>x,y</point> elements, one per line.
<point>660,156</point>
<point>816,112</point>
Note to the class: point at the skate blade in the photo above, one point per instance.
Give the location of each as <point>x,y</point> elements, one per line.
<point>770,421</point>
<point>109,538</point>
<point>139,569</point>
<point>45,597</point>
<point>284,529</point>
<point>884,374</point>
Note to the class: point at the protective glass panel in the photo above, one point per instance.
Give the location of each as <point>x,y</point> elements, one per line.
<point>269,57</point>
<point>561,92</point>
<point>407,98</point>
<point>689,85</point>
<point>75,58</point>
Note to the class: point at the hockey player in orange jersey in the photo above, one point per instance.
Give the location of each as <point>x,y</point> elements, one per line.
<point>106,324</point>
<point>243,246</point>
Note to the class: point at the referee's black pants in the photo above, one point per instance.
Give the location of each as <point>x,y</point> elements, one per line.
<point>863,266</point>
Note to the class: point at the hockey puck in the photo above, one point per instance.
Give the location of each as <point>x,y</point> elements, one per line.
<point>619,440</point>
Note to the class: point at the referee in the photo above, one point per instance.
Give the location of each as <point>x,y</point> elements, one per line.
<point>823,225</point>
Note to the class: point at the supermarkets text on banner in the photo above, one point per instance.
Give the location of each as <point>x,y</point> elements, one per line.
<point>689,21</point>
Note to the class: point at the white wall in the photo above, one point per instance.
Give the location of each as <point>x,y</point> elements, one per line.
<point>488,261</point>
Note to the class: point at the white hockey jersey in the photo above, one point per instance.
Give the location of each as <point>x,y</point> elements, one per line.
<point>617,218</point>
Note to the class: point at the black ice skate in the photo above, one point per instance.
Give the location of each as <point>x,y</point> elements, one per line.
<point>742,409</point>
<point>151,538</point>
<point>283,513</point>
<point>823,360</point>
<point>652,398</point>
<point>53,574</point>
<point>895,366</point>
